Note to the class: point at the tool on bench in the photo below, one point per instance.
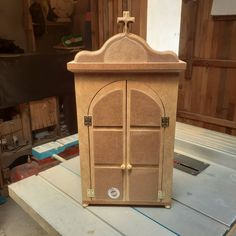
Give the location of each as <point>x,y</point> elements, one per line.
<point>52,149</point>
<point>189,165</point>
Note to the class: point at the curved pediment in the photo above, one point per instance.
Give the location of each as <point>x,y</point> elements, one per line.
<point>125,48</point>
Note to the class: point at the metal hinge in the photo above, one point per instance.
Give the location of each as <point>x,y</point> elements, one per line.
<point>90,192</point>
<point>165,120</point>
<point>161,195</point>
<point>87,120</point>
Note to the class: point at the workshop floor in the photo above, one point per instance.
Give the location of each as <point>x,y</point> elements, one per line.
<point>14,221</point>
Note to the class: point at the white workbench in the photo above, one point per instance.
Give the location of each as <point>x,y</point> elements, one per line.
<point>202,205</point>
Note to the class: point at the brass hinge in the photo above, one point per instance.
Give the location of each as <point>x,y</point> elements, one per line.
<point>90,193</point>
<point>160,195</point>
<point>165,120</point>
<point>87,120</point>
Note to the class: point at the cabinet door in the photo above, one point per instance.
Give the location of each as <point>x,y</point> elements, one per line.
<point>144,142</point>
<point>107,141</point>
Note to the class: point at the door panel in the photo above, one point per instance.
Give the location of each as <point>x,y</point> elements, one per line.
<point>144,142</point>
<point>108,184</point>
<point>143,109</point>
<point>107,141</point>
<point>126,142</point>
<point>108,147</point>
<point>109,109</point>
<point>144,147</point>
<point>143,184</point>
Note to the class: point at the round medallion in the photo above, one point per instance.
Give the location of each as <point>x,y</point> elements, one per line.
<point>113,193</point>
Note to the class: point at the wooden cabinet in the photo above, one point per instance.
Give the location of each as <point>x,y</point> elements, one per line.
<point>126,96</point>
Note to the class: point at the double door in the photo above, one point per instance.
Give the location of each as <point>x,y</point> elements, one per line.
<point>126,143</point>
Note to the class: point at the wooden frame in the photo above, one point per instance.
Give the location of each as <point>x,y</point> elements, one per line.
<point>207,93</point>
<point>126,88</point>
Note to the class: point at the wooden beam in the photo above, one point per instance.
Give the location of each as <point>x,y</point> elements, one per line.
<point>225,18</point>
<point>214,63</point>
<point>206,119</point>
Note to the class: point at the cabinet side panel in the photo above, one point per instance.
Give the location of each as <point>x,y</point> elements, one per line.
<point>171,106</point>
<point>81,109</point>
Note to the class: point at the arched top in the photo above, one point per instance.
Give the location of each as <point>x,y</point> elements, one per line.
<point>126,52</point>
<point>128,48</point>
<point>107,106</point>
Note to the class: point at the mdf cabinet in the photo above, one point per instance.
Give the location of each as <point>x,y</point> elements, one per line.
<point>126,95</point>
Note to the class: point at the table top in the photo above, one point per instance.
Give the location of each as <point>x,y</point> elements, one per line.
<point>202,205</point>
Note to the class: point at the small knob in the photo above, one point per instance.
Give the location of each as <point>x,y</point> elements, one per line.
<point>129,167</point>
<point>122,167</point>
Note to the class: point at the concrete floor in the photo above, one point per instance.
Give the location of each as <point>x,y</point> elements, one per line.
<point>14,221</point>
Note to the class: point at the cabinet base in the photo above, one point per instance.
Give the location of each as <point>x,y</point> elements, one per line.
<point>127,203</point>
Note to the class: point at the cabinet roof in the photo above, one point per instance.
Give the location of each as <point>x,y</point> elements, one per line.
<point>125,52</point>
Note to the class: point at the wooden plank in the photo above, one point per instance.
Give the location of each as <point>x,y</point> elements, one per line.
<point>211,87</point>
<point>119,13</point>
<point>127,68</point>
<point>72,165</point>
<point>26,124</point>
<point>115,15</point>
<point>188,27</point>
<point>208,145</point>
<point>109,10</point>
<point>105,21</point>
<point>111,18</point>
<point>44,113</point>
<point>216,189</point>
<point>138,224</point>
<point>218,63</point>
<point>169,218</point>
<point>10,127</point>
<point>206,119</point>
<point>94,24</point>
<point>184,220</point>
<point>100,22</point>
<point>143,18</point>
<point>34,214</point>
<point>54,211</point>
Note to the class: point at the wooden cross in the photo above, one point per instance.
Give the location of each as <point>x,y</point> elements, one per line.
<point>126,19</point>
